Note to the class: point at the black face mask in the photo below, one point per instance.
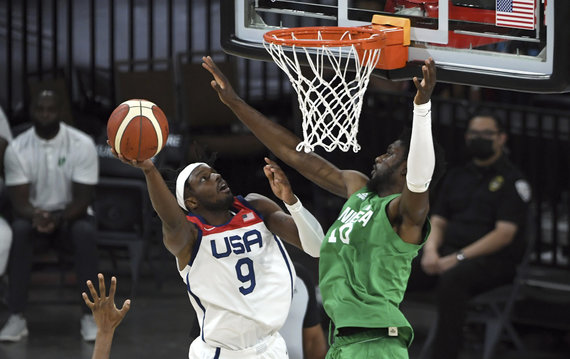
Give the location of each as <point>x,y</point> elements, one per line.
<point>480,148</point>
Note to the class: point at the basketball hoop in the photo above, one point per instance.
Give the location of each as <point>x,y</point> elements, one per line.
<point>329,102</point>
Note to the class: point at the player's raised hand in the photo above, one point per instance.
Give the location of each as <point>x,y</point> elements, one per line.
<point>425,87</point>
<point>279,182</point>
<point>220,82</point>
<point>106,314</point>
<point>144,165</point>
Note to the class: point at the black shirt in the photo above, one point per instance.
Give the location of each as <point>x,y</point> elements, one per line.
<point>473,198</point>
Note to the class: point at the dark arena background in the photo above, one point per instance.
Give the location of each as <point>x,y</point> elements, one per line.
<point>98,53</point>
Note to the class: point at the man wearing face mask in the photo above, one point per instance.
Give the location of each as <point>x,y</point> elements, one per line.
<point>477,237</point>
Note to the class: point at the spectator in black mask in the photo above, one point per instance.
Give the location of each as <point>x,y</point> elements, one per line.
<point>477,236</point>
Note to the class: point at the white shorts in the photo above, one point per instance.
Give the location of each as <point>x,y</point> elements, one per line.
<point>272,347</point>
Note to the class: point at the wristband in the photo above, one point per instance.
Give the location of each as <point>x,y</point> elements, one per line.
<point>421,155</point>
<point>310,231</point>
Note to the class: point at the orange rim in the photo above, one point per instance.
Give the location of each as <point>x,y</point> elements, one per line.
<point>332,36</point>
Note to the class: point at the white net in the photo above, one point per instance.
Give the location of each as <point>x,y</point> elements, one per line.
<point>330,101</point>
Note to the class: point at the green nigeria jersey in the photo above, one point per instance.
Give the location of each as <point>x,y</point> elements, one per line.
<point>364,265</point>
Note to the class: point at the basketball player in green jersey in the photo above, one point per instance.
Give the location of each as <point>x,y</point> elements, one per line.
<point>365,258</point>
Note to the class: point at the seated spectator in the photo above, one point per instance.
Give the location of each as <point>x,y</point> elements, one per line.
<point>51,170</point>
<point>477,236</point>
<point>302,330</point>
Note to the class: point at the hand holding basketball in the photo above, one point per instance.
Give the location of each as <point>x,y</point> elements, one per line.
<point>137,130</point>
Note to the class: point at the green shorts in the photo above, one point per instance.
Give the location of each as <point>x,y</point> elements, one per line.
<point>372,343</point>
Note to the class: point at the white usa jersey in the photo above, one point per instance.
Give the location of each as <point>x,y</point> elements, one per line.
<point>239,280</point>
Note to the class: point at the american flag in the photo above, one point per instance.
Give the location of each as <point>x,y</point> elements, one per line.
<point>515,13</point>
<point>248,217</point>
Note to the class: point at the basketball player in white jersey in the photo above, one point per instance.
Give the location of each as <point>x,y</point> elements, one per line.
<point>229,253</point>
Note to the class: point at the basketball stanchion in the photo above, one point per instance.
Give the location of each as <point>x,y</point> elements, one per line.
<point>331,101</point>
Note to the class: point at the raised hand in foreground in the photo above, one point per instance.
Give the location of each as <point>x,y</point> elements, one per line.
<point>106,314</point>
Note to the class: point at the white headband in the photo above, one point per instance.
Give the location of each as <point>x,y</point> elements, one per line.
<point>181,180</point>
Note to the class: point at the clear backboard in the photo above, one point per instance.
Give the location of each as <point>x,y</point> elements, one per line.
<point>520,45</point>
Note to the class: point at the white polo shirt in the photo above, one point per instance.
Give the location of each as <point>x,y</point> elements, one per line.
<point>50,166</point>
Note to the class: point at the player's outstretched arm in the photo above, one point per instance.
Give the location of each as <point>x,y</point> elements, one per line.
<point>413,205</point>
<point>283,142</point>
<point>106,314</point>
<point>309,233</point>
<point>179,234</point>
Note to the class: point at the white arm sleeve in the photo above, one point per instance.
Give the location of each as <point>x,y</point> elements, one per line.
<point>421,158</point>
<point>310,231</point>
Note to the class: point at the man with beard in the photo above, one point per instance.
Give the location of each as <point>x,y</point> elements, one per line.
<point>366,255</point>
<point>477,237</point>
<point>51,171</point>
<point>228,251</point>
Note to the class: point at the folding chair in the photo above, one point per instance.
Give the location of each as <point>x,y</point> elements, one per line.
<point>494,307</point>
<point>124,219</point>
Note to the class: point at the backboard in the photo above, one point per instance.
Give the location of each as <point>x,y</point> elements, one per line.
<point>524,46</point>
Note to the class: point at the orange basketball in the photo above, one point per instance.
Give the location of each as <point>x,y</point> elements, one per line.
<point>137,129</point>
